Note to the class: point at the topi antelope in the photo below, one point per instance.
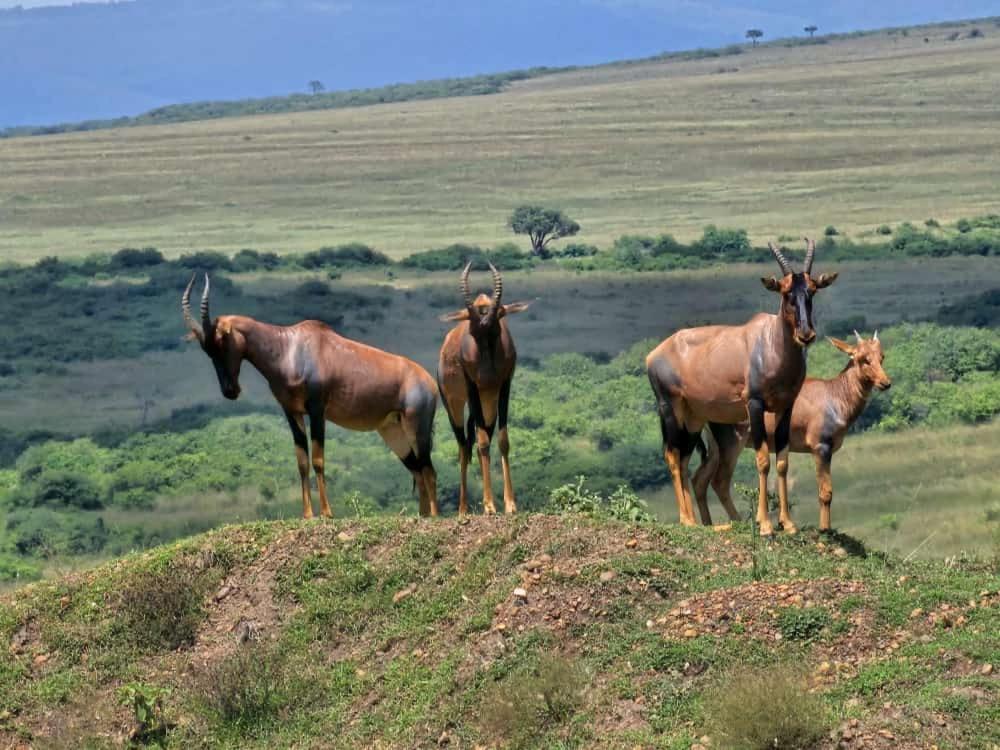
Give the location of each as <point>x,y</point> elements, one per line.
<point>725,374</point>
<point>476,366</point>
<point>821,416</point>
<point>314,372</point>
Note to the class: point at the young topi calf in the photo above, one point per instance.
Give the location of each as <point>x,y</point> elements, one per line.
<point>476,366</point>
<point>726,374</point>
<point>821,416</point>
<point>314,372</point>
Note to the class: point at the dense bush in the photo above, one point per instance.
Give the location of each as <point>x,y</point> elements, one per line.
<point>506,257</point>
<point>982,311</point>
<point>130,259</point>
<point>353,255</point>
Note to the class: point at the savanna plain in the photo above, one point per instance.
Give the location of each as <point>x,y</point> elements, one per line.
<point>161,591</point>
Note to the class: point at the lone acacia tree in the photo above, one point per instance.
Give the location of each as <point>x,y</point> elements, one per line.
<point>811,29</point>
<point>316,87</point>
<point>753,35</point>
<point>542,225</point>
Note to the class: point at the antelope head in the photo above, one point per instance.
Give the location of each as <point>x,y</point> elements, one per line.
<point>224,345</point>
<point>797,291</point>
<point>485,311</point>
<point>866,357</point>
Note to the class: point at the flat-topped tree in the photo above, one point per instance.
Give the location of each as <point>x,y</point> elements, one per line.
<point>542,225</point>
<point>811,29</point>
<point>753,35</point>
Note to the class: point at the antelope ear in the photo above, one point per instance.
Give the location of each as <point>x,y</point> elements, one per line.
<point>842,345</point>
<point>223,328</point>
<point>771,283</point>
<point>514,307</point>
<point>825,280</point>
<point>453,316</point>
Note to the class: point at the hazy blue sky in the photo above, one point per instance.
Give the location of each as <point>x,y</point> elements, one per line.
<point>99,60</point>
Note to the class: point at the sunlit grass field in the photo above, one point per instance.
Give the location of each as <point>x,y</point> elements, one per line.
<point>854,133</point>
<point>921,492</point>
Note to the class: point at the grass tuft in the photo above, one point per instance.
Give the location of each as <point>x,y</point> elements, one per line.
<point>766,709</point>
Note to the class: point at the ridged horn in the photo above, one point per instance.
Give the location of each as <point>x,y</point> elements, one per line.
<point>463,286</point>
<point>189,320</point>
<point>786,267</point>
<point>497,286</point>
<point>810,255</point>
<point>206,318</point>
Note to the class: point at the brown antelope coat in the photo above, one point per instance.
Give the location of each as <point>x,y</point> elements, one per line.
<point>475,367</point>
<point>822,414</point>
<point>312,371</point>
<point>727,374</point>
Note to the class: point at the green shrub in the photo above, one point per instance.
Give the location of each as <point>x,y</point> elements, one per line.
<point>884,229</point>
<point>765,709</point>
<point>831,231</point>
<point>14,570</point>
<point>506,257</point>
<point>623,504</point>
<point>722,242</point>
<point>802,623</point>
<point>146,704</point>
<point>248,689</point>
<point>353,255</point>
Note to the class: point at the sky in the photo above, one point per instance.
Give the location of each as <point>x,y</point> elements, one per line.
<point>102,61</point>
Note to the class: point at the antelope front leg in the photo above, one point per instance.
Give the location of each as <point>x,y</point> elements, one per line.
<point>509,501</point>
<point>463,491</point>
<point>824,482</point>
<point>317,427</point>
<point>685,510</point>
<point>297,424</point>
<point>781,433</point>
<point>483,444</point>
<point>702,478</point>
<point>758,433</point>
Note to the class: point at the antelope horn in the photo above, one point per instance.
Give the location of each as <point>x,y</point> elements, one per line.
<point>186,309</point>
<point>810,255</point>
<point>463,286</point>
<point>497,286</point>
<point>206,319</point>
<point>858,336</point>
<point>786,267</point>
<point>875,337</point>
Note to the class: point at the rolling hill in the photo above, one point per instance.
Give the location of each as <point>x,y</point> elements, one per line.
<point>534,631</point>
<point>854,133</point>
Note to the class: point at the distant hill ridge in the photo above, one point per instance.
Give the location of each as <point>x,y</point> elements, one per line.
<point>84,65</point>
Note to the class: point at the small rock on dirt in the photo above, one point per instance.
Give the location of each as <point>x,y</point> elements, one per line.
<point>402,594</point>
<point>608,575</point>
<point>986,670</point>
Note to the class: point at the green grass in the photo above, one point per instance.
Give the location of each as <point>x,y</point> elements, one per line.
<point>855,133</point>
<point>347,658</point>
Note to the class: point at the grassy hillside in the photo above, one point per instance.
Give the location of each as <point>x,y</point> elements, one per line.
<point>535,631</point>
<point>856,132</point>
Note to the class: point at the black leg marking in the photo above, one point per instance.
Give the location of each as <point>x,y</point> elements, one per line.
<point>317,422</point>
<point>504,403</point>
<point>782,431</point>
<point>758,430</point>
<point>476,409</point>
<point>456,424</point>
<point>298,434</point>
